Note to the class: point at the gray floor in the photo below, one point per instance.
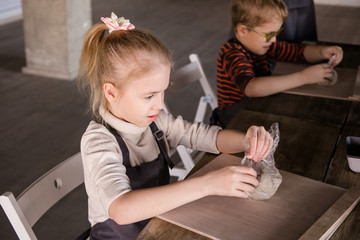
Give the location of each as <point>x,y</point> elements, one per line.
<point>42,119</point>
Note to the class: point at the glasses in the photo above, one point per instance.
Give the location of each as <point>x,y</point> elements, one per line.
<point>267,36</point>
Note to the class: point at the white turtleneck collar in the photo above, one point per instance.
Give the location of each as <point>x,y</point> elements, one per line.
<point>120,125</point>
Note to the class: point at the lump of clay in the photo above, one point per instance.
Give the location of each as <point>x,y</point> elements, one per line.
<point>268,175</point>
<point>331,81</point>
<point>269,181</point>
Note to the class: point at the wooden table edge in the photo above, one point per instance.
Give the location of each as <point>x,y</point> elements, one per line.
<point>328,223</point>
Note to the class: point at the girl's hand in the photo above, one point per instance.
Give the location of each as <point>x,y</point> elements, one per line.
<point>232,181</point>
<point>317,73</point>
<point>329,51</point>
<point>260,143</point>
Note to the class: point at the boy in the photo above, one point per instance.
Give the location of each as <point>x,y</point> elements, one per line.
<point>245,62</point>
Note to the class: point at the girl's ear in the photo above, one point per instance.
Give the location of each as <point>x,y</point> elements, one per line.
<point>110,91</point>
<point>241,30</point>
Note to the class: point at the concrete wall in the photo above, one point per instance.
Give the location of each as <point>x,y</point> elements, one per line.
<point>54,32</point>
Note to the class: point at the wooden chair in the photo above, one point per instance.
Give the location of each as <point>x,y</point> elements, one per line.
<point>40,196</point>
<point>182,77</point>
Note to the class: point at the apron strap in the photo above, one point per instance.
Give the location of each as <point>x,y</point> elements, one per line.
<point>159,137</point>
<point>123,147</point>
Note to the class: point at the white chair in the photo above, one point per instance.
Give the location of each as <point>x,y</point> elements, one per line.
<point>40,196</point>
<point>179,79</point>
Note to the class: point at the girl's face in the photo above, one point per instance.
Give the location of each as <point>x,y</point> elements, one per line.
<point>140,101</point>
<point>254,39</point>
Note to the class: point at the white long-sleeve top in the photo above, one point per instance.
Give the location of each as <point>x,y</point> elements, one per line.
<point>104,172</point>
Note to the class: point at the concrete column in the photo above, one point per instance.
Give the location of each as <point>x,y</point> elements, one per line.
<point>54,32</point>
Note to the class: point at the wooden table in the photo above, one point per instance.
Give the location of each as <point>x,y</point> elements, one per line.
<point>347,86</point>
<point>312,144</point>
<point>225,210</point>
<point>312,134</point>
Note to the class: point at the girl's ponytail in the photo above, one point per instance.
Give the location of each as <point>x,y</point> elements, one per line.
<point>88,77</point>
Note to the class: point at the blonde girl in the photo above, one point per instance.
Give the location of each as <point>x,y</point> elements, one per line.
<point>124,149</point>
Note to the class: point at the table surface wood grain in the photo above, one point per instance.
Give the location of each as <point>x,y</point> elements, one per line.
<point>160,229</point>
<point>312,144</point>
<point>297,205</point>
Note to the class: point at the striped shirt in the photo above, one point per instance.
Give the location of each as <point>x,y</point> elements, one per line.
<point>236,67</point>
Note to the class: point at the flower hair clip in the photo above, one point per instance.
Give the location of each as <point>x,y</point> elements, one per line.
<point>115,23</point>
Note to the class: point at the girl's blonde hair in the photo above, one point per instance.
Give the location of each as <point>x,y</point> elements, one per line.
<point>116,58</point>
<point>253,13</point>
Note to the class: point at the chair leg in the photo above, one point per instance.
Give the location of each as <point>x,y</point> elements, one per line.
<point>180,173</point>
<point>16,217</point>
<point>186,157</point>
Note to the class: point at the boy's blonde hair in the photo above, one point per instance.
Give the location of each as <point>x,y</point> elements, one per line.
<point>119,57</point>
<point>253,13</point>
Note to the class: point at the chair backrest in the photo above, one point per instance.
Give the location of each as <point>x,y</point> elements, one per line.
<point>181,78</point>
<point>40,196</point>
<point>188,74</point>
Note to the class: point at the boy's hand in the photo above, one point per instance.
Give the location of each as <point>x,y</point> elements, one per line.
<point>329,51</point>
<point>317,73</point>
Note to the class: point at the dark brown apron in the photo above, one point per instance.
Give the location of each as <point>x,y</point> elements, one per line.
<point>151,174</point>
